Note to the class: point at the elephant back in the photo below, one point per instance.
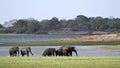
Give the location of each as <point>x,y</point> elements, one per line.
<point>14,48</point>
<point>49,52</point>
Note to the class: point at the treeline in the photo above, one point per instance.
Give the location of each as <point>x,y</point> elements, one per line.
<point>80,23</point>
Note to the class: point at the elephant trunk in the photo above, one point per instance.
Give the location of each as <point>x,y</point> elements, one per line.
<point>18,52</point>
<point>17,49</point>
<point>76,53</point>
<point>31,52</point>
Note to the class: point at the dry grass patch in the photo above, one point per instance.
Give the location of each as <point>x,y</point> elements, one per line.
<point>108,37</point>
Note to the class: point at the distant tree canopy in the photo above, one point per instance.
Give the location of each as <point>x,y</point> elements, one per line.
<point>1,26</point>
<point>80,23</point>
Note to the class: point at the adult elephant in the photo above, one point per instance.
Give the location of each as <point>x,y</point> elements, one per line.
<point>26,51</point>
<point>13,51</point>
<point>59,52</point>
<point>49,52</point>
<point>67,51</point>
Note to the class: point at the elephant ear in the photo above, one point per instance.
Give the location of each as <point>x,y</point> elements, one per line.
<point>65,48</point>
<point>74,48</point>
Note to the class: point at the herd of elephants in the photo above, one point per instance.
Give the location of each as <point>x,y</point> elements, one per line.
<point>62,51</point>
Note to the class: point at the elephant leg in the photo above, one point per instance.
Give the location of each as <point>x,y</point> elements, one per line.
<point>27,53</point>
<point>15,54</point>
<point>67,54</point>
<point>11,54</point>
<point>53,53</point>
<point>61,54</point>
<point>49,54</point>
<point>45,55</point>
<point>64,53</point>
<point>22,53</point>
<point>70,53</point>
<point>57,53</point>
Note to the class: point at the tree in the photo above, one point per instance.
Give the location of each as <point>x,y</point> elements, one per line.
<point>81,18</point>
<point>20,26</point>
<point>63,23</point>
<point>32,27</point>
<point>81,23</point>
<point>1,26</point>
<point>54,23</point>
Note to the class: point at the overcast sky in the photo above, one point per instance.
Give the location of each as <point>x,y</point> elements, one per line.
<point>62,9</point>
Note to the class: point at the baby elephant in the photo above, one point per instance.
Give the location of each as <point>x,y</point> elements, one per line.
<point>49,52</point>
<point>26,51</point>
<point>14,51</point>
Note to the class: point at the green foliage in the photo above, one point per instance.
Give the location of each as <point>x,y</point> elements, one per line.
<point>20,26</point>
<point>55,43</point>
<point>1,26</point>
<point>80,23</point>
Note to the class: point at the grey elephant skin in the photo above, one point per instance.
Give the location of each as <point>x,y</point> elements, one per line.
<point>49,52</point>
<point>66,51</point>
<point>14,51</point>
<point>26,51</point>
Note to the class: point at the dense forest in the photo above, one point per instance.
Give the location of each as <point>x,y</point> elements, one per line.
<point>79,24</point>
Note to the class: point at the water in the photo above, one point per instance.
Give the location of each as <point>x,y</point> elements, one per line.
<point>38,50</point>
<point>33,38</point>
<point>82,51</point>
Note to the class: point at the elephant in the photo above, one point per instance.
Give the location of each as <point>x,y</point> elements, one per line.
<point>49,52</point>
<point>59,52</point>
<point>66,51</point>
<point>13,51</point>
<point>25,51</point>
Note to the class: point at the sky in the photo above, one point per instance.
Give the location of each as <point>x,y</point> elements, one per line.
<point>62,9</point>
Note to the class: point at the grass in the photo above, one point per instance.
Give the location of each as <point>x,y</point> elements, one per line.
<point>22,34</point>
<point>60,62</point>
<point>108,47</point>
<point>94,38</point>
<point>59,43</point>
<point>110,39</point>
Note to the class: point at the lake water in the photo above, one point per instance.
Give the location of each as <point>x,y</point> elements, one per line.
<point>82,51</point>
<point>38,50</point>
<point>33,38</point>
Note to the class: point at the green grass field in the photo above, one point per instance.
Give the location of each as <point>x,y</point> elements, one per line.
<point>60,62</point>
<point>58,43</point>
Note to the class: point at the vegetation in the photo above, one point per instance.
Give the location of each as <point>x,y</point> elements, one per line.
<point>108,47</point>
<point>11,34</point>
<point>60,62</point>
<point>80,23</point>
<point>109,39</point>
<point>94,38</point>
<point>54,43</point>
